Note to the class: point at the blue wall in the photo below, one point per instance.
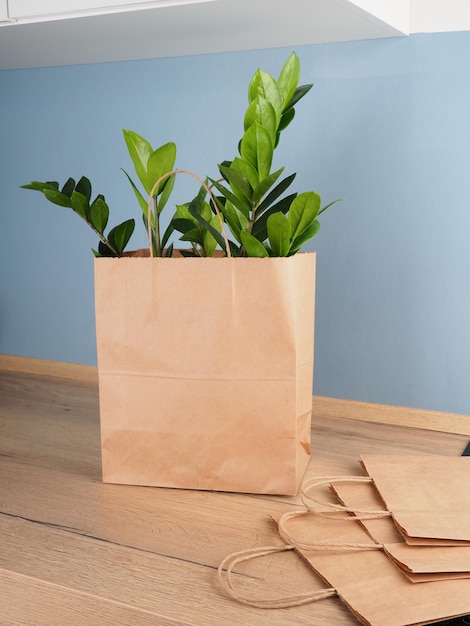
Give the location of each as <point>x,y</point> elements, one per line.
<point>387,127</point>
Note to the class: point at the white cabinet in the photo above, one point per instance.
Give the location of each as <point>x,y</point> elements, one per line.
<point>3,11</point>
<point>32,9</point>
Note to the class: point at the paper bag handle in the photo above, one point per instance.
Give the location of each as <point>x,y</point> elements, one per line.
<point>211,195</point>
<point>309,500</point>
<point>278,603</point>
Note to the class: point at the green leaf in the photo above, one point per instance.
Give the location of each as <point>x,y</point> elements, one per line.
<point>259,229</point>
<point>275,193</point>
<point>286,119</point>
<point>299,93</point>
<point>229,195</point>
<point>265,185</point>
<point>263,84</point>
<point>79,204</point>
<point>289,79</point>
<point>35,185</point>
<point>208,226</point>
<point>327,206</point>
<point>140,198</point>
<point>303,210</point>
<point>139,151</point>
<point>99,214</point>
<point>210,244</point>
<point>84,187</point>
<point>238,182</point>
<point>160,162</point>
<point>182,225</point>
<point>166,236</point>
<point>261,111</point>
<point>166,192</point>
<point>246,169</point>
<point>307,234</point>
<point>253,247</point>
<point>119,236</point>
<point>57,198</point>
<point>68,188</point>
<point>104,250</point>
<point>256,147</point>
<point>194,236</point>
<point>279,234</point>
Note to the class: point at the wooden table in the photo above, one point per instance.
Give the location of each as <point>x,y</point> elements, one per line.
<point>74,551</point>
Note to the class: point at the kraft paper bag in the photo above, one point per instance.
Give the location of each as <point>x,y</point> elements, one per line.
<point>205,371</point>
<point>367,582</point>
<point>426,495</point>
<point>418,563</point>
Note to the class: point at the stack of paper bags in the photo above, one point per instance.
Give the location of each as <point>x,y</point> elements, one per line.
<point>408,567</point>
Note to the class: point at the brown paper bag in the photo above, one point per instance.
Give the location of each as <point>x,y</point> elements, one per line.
<point>418,563</point>
<point>427,496</point>
<point>364,579</point>
<point>205,371</point>
<point>368,583</point>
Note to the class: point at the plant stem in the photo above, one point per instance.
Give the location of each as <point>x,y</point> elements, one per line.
<point>158,243</point>
<point>100,235</point>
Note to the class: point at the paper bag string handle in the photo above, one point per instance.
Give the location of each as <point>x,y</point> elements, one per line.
<point>211,196</point>
<point>276,603</point>
<point>311,502</point>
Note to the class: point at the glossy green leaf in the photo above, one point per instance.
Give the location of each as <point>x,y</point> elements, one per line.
<point>35,185</point>
<point>166,192</point>
<point>68,188</point>
<point>246,169</point>
<point>289,78</point>
<point>263,84</point>
<point>275,193</point>
<point>241,204</point>
<point>194,236</point>
<point>104,250</point>
<point>260,230</point>
<point>279,234</point>
<point>160,162</point>
<point>99,214</point>
<point>256,147</point>
<point>208,227</point>
<point>327,206</point>
<point>57,198</point>
<point>84,187</point>
<point>253,247</point>
<point>261,111</point>
<point>286,119</point>
<point>265,185</point>
<point>182,225</point>
<point>307,234</point>
<point>80,205</point>
<point>238,182</point>
<point>299,93</point>
<point>210,243</point>
<point>304,209</point>
<point>140,198</point>
<point>139,150</point>
<point>119,236</point>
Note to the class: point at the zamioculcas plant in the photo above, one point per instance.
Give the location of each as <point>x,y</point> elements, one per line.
<point>248,196</point>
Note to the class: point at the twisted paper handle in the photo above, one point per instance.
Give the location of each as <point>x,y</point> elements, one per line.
<point>276,603</point>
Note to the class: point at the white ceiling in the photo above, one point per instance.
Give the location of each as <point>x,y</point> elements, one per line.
<point>168,29</point>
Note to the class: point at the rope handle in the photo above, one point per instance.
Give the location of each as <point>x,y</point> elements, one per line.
<point>276,603</point>
<point>208,190</point>
<point>311,502</point>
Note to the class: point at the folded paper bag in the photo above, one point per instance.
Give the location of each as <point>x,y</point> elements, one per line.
<point>426,495</point>
<point>418,563</point>
<point>364,579</point>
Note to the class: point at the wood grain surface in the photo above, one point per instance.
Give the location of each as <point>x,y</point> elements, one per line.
<point>74,551</point>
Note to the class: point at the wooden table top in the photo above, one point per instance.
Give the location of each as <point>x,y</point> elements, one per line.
<point>77,552</point>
